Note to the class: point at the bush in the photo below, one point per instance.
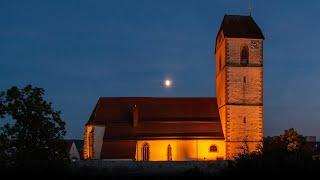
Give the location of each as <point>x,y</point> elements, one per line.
<point>287,154</point>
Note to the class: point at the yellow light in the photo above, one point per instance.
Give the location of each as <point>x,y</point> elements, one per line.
<point>182,150</point>
<point>167,83</point>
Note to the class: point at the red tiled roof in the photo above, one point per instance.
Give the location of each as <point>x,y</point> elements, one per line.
<point>158,117</point>
<point>117,109</point>
<point>236,26</point>
<point>78,143</point>
<point>68,144</point>
<point>179,129</point>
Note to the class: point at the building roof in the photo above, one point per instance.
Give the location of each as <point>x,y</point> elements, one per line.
<point>236,26</point>
<point>78,143</point>
<point>68,144</point>
<point>158,118</point>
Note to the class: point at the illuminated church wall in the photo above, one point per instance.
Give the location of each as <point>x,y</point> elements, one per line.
<point>221,79</point>
<point>87,140</point>
<point>240,93</point>
<point>181,150</point>
<point>93,140</point>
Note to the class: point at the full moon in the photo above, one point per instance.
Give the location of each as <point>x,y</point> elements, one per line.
<point>167,83</point>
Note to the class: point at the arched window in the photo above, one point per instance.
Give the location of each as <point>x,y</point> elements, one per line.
<point>145,152</point>
<point>213,148</point>
<point>244,60</point>
<point>169,153</point>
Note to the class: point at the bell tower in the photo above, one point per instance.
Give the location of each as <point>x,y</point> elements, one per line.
<point>239,83</point>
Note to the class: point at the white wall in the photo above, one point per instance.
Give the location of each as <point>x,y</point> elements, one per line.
<point>74,153</point>
<point>98,141</point>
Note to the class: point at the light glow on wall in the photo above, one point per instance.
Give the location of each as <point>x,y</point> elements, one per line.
<point>182,150</point>
<point>87,144</point>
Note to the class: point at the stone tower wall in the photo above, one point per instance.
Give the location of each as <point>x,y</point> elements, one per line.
<point>240,94</point>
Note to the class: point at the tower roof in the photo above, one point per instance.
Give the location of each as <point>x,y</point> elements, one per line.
<point>236,26</point>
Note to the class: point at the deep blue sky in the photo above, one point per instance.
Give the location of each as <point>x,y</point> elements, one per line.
<point>80,50</point>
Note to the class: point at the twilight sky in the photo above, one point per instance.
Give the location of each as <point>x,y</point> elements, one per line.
<point>79,50</point>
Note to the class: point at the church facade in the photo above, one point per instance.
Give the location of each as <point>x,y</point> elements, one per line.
<point>188,129</point>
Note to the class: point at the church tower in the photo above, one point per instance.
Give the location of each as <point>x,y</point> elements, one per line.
<point>239,83</point>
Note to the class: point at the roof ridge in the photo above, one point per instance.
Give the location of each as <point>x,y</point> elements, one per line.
<point>238,15</point>
<point>159,97</point>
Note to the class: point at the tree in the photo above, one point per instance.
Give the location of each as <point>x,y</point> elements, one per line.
<point>288,153</point>
<point>244,148</point>
<point>289,145</point>
<point>292,140</point>
<point>35,130</point>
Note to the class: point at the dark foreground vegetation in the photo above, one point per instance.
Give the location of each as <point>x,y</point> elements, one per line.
<point>31,139</point>
<point>31,144</point>
<point>284,155</point>
<point>288,154</point>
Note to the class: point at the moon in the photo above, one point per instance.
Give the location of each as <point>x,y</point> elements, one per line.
<point>167,83</point>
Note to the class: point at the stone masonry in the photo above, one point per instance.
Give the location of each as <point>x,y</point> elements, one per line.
<point>240,93</point>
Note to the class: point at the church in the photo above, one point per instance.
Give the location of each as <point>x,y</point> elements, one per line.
<point>190,128</point>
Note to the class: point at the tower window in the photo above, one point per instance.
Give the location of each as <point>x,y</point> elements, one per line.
<point>244,57</point>
<point>145,152</point>
<point>213,148</point>
<point>169,153</point>
<point>244,120</point>
<point>244,79</point>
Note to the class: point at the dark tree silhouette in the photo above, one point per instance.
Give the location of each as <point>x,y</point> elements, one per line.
<point>35,130</point>
<point>286,154</point>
